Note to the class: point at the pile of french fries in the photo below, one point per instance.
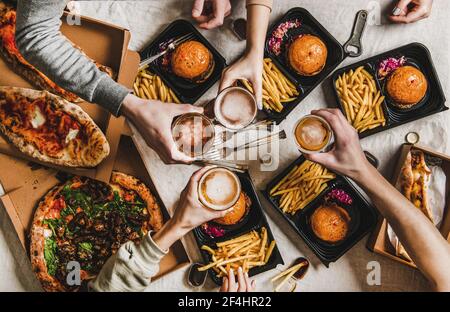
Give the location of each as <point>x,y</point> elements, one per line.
<point>301,185</point>
<point>277,89</point>
<point>148,85</point>
<point>361,99</point>
<point>246,251</point>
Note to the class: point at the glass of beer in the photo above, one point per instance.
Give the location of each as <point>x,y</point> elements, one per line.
<point>234,108</point>
<point>193,134</point>
<point>219,189</point>
<point>313,134</point>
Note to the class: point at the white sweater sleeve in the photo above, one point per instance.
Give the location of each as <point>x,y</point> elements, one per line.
<point>131,268</point>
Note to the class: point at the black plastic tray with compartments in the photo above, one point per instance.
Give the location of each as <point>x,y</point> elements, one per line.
<point>186,91</point>
<point>417,55</point>
<point>363,216</point>
<point>254,220</point>
<point>304,84</point>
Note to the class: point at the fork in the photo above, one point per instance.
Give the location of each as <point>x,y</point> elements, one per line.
<point>169,48</point>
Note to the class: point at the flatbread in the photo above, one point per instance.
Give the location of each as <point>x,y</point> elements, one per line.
<point>87,149</point>
<point>58,236</point>
<point>413,183</point>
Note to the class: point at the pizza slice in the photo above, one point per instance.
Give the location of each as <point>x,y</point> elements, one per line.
<point>50,129</point>
<point>11,54</point>
<point>86,221</point>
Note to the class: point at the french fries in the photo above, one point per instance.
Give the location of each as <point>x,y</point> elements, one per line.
<point>148,85</point>
<point>246,251</point>
<point>287,274</point>
<point>301,185</point>
<point>361,99</point>
<point>277,89</point>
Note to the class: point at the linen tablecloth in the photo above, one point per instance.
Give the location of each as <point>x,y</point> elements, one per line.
<point>145,19</point>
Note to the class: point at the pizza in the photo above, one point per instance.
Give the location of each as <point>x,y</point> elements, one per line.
<point>11,54</point>
<point>413,184</point>
<point>50,129</point>
<point>86,221</point>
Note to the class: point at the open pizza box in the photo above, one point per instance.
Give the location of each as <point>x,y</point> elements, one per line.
<point>379,241</point>
<point>26,181</point>
<point>110,49</point>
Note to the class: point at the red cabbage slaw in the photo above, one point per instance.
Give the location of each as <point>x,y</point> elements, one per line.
<point>389,65</point>
<point>339,195</point>
<point>279,33</point>
<point>212,231</point>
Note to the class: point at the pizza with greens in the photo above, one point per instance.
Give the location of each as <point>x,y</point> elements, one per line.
<point>86,221</point>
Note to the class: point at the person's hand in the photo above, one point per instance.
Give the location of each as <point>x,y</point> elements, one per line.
<point>249,67</point>
<point>244,284</point>
<point>154,120</point>
<point>210,14</point>
<point>408,11</point>
<point>190,212</point>
<point>346,157</point>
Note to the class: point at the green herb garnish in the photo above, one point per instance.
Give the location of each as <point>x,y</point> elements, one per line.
<point>50,255</point>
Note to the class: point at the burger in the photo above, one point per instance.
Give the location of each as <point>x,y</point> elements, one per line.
<point>237,212</point>
<point>307,55</point>
<point>330,222</point>
<point>406,86</point>
<point>193,61</point>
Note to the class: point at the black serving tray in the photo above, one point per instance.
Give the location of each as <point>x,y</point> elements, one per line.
<point>309,25</point>
<point>186,91</point>
<point>416,55</point>
<point>363,217</point>
<point>255,220</point>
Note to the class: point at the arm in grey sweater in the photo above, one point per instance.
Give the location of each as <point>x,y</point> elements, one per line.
<point>40,41</point>
<point>131,268</point>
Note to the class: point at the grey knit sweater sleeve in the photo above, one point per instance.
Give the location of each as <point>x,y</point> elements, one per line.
<point>131,268</point>
<point>40,41</point>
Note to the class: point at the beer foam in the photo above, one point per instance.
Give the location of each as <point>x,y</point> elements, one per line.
<point>220,189</point>
<point>312,134</point>
<point>237,109</point>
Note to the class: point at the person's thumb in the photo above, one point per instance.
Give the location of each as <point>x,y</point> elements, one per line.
<point>197,8</point>
<point>320,158</point>
<point>226,81</point>
<point>181,109</point>
<point>401,8</point>
<point>257,88</point>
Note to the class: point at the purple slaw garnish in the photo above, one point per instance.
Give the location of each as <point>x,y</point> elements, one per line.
<point>387,66</point>
<point>278,34</point>
<point>339,195</point>
<point>212,231</point>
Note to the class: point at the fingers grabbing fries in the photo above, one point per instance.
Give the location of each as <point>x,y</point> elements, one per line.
<point>301,185</point>
<point>361,99</point>
<point>277,89</point>
<point>246,251</point>
<point>148,85</point>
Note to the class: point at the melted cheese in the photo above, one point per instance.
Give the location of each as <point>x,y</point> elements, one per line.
<point>47,233</point>
<point>71,135</point>
<point>38,118</point>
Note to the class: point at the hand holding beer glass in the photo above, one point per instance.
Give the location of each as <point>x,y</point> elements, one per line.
<point>210,193</point>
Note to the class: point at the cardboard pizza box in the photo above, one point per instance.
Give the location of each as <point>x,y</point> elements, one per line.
<point>25,180</point>
<point>379,240</point>
<point>25,183</point>
<point>110,49</point>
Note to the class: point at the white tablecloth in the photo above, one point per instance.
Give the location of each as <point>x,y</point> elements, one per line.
<point>146,19</point>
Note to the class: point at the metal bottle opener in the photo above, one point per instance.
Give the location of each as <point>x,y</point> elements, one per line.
<point>354,43</point>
